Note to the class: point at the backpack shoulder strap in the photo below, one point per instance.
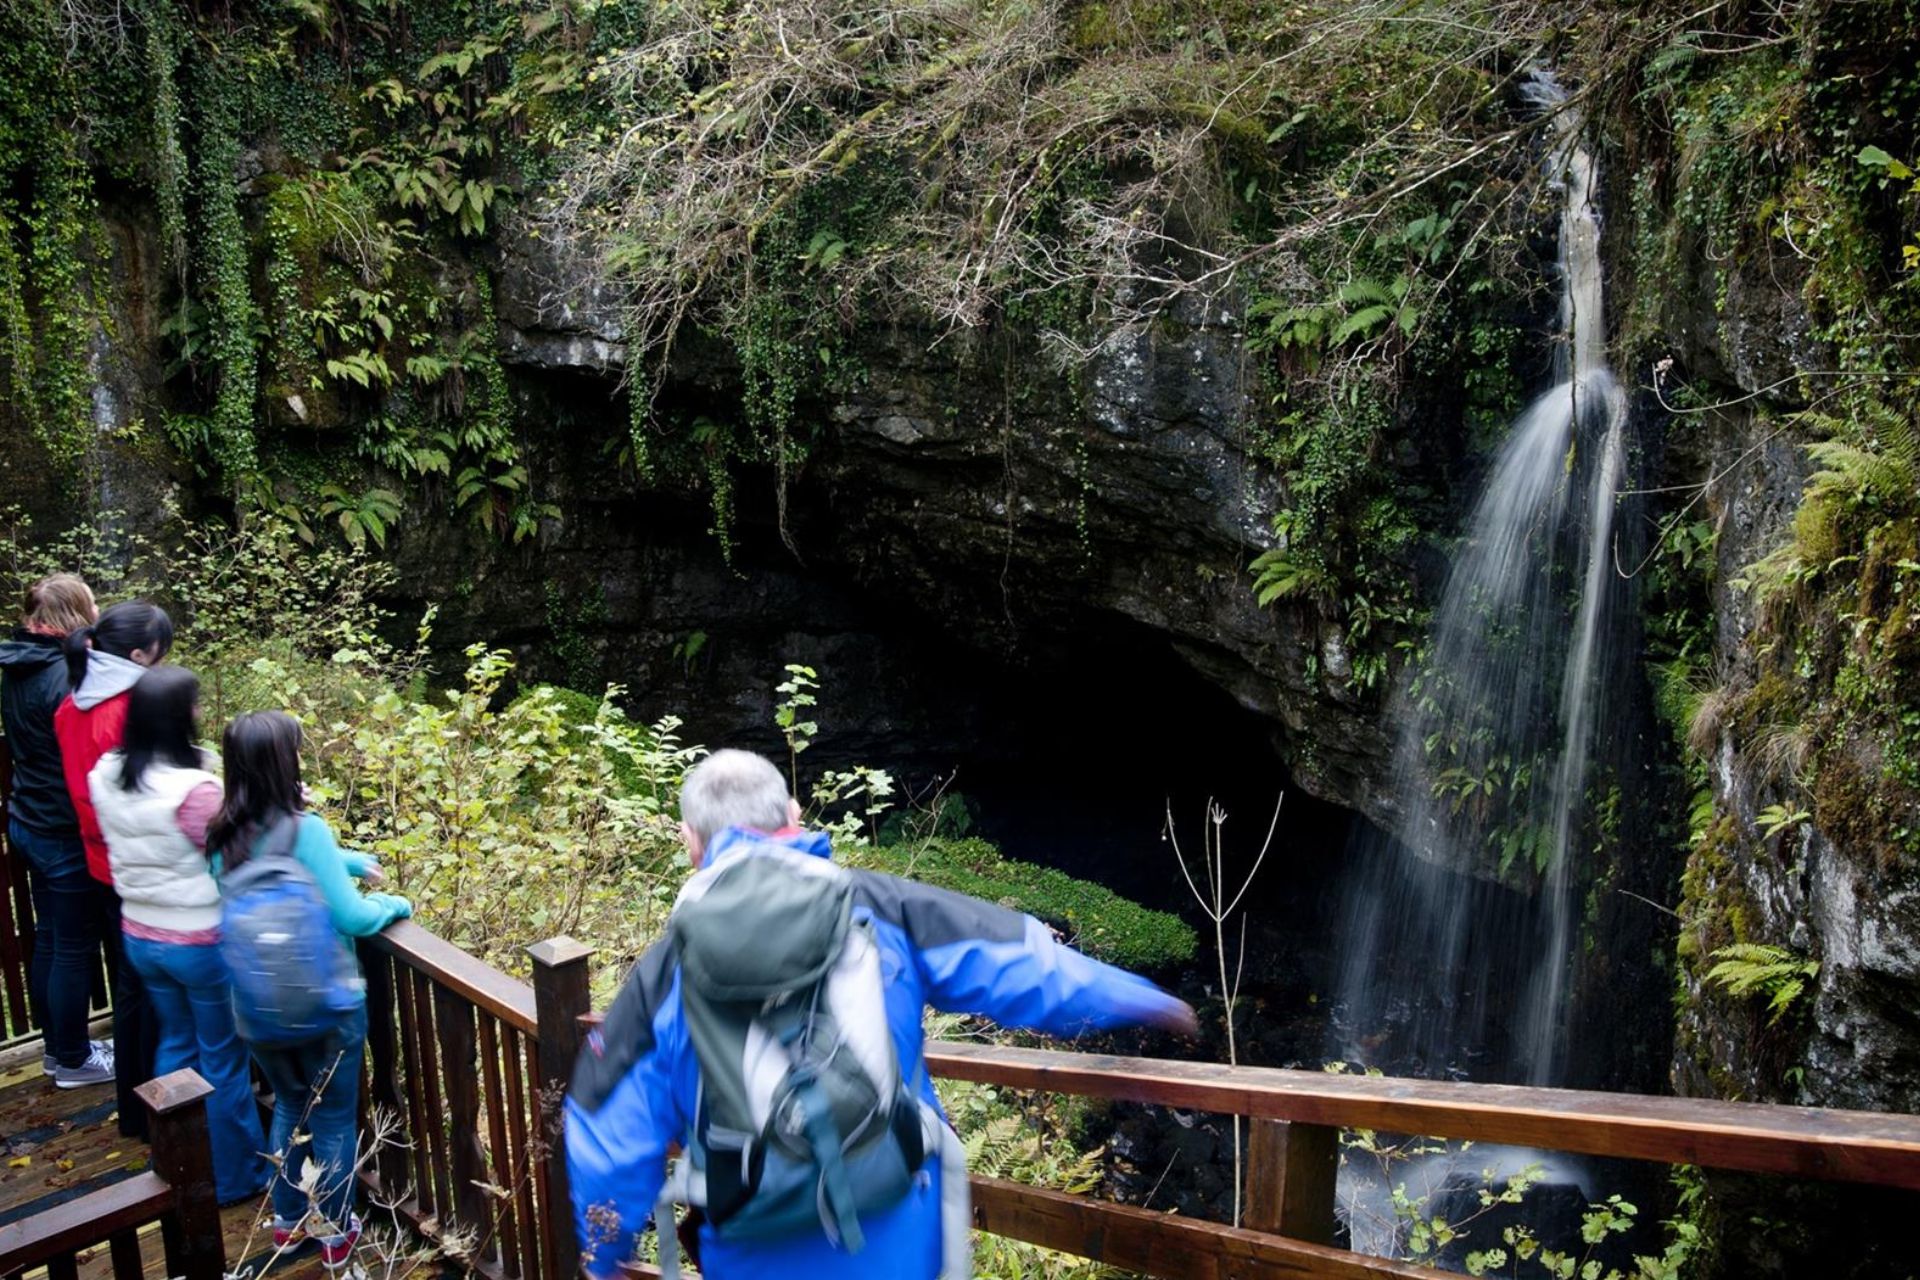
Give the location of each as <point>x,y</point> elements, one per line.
<point>273,857</point>
<point>281,837</point>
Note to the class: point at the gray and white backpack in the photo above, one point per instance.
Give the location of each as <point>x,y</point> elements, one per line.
<point>804,1122</point>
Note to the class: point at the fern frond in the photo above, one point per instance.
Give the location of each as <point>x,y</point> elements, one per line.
<point>1851,470</point>
<point>1747,968</point>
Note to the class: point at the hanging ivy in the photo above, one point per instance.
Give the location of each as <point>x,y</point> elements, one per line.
<point>164,40</point>
<point>47,322</point>
<point>220,253</point>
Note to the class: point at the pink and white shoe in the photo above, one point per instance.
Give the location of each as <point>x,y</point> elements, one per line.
<point>337,1251</point>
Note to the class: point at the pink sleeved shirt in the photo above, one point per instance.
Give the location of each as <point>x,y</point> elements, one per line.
<point>196,812</point>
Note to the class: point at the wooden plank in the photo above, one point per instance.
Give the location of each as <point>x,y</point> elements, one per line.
<point>16,918</point>
<point>383,1088</point>
<point>435,1134</point>
<point>506,998</point>
<point>503,1172</point>
<point>1292,1172</point>
<point>1164,1244</point>
<point>459,1061</point>
<point>85,1220</point>
<point>521,1137</point>
<point>1805,1142</point>
<point>543,1159</point>
<point>420,1181</point>
<point>124,1247</point>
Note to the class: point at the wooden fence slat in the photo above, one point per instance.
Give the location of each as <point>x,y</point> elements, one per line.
<point>516,1057</point>
<point>1292,1171</point>
<point>459,1060</point>
<point>1163,1244</point>
<point>1805,1142</point>
<point>127,1262</point>
<point>16,918</point>
<point>420,1176</point>
<point>503,1172</point>
<point>435,1135</point>
<point>383,1081</point>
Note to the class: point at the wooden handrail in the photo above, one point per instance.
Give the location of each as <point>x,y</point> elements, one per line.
<point>1809,1142</point>
<point>85,1221</point>
<point>1292,1156</point>
<point>506,998</point>
<point>178,1193</point>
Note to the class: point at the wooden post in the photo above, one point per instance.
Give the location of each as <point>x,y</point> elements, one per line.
<point>183,1156</point>
<point>560,995</point>
<point>1291,1173</point>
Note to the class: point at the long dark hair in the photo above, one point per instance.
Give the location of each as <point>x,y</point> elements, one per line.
<point>260,753</point>
<point>160,723</point>
<point>120,629</point>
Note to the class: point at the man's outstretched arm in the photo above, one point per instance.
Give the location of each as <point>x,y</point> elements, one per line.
<point>976,957</point>
<point>621,1115</point>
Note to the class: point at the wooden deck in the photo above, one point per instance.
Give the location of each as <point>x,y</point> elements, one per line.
<point>56,1146</point>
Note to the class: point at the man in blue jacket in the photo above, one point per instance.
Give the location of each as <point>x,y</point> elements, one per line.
<point>637,1087</point>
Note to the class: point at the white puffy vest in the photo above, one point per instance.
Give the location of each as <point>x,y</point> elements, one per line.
<point>160,875</point>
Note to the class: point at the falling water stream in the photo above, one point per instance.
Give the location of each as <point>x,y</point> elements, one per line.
<point>1497,729</point>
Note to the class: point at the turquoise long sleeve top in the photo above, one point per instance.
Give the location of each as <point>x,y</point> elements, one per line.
<point>354,914</point>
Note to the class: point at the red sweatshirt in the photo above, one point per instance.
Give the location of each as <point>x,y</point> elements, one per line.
<point>84,737</point>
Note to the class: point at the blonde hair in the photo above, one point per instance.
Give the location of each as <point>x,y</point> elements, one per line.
<point>59,604</point>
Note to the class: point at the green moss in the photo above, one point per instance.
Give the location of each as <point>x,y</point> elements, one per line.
<point>1097,920</point>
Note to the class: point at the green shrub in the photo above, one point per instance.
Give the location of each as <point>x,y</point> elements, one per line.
<point>1097,920</point>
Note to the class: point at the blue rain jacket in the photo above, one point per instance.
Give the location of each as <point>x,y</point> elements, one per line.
<point>637,1083</point>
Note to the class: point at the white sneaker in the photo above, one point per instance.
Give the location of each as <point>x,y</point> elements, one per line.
<point>97,1069</point>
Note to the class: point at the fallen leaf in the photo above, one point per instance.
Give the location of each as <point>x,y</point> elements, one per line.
<point>20,1162</point>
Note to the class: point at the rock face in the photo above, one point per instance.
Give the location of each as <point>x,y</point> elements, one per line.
<point>961,487</point>
<point>1852,1039</point>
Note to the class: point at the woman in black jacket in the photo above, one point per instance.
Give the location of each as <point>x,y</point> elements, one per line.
<point>68,903</point>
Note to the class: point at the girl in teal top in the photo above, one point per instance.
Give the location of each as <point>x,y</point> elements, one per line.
<point>316,1085</point>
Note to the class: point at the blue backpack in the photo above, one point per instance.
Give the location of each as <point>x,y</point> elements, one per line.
<point>293,978</point>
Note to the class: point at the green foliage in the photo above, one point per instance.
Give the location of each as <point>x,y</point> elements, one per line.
<point>47,313</point>
<point>361,516</point>
<point>798,695</point>
<point>221,272</point>
<point>1094,918</point>
<point>1779,975</point>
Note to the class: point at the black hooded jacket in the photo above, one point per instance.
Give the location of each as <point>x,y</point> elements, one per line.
<point>33,682</point>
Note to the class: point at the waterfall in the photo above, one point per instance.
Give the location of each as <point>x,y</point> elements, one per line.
<point>1461,954</point>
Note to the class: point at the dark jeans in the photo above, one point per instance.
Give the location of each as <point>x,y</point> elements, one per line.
<point>136,1029</point>
<point>71,914</point>
<point>316,1094</point>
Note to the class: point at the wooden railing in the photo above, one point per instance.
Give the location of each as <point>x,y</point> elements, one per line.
<point>473,1063</point>
<point>18,1020</point>
<point>177,1193</point>
<point>1293,1151</point>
